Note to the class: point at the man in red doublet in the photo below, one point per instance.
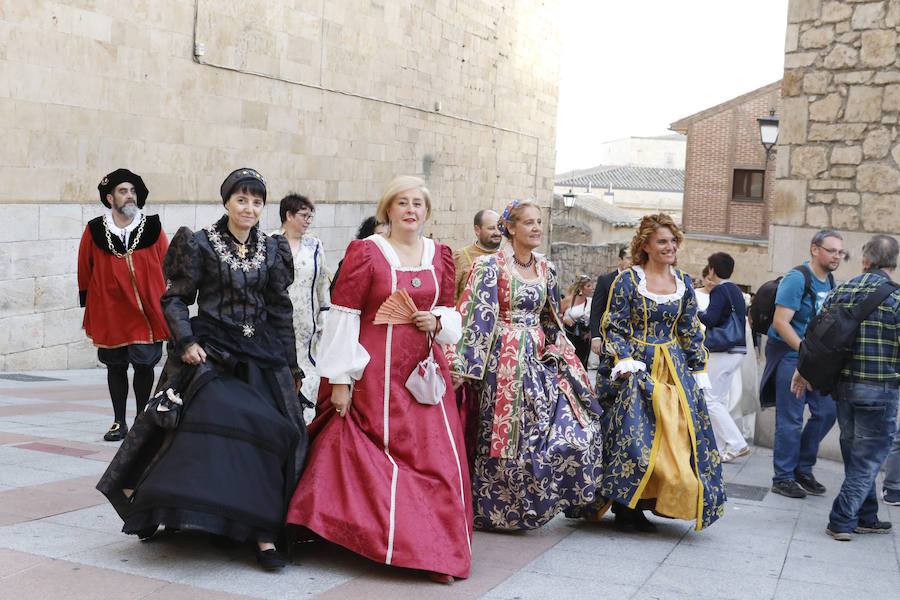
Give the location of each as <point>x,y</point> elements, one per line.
<point>120,282</point>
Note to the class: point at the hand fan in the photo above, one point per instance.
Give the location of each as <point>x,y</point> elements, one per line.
<point>396,310</point>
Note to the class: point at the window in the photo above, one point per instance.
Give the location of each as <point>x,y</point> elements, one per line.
<point>748,185</point>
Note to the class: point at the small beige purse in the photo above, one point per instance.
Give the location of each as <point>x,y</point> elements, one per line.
<point>426,383</point>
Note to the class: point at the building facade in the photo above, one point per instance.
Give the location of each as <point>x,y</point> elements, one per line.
<point>637,190</point>
<point>728,184</point>
<point>838,150</point>
<point>330,99</point>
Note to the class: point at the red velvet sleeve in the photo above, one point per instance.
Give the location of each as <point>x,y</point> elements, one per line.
<point>352,287</point>
<point>447,295</point>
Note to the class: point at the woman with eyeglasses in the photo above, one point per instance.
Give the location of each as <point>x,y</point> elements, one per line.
<point>309,293</point>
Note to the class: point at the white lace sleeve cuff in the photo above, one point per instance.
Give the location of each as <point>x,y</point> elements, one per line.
<point>451,325</point>
<point>340,357</point>
<point>703,381</point>
<point>627,365</point>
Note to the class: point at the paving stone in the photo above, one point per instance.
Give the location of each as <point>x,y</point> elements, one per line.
<point>864,579</point>
<point>739,561</point>
<point>616,569</point>
<point>51,539</point>
<point>540,586</point>
<point>712,583</point>
<point>861,555</point>
<point>12,562</point>
<point>62,579</point>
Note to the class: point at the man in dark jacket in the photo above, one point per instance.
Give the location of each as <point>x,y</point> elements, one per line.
<point>866,394</point>
<point>601,295</point>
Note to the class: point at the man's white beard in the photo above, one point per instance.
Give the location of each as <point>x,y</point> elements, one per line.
<point>129,210</point>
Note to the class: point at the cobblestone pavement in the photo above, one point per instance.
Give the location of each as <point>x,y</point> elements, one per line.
<point>60,539</point>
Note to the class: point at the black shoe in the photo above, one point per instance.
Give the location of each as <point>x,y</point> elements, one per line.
<point>876,527</point>
<point>270,560</point>
<point>624,521</point>
<point>788,488</point>
<point>642,523</point>
<point>809,484</point>
<point>147,532</point>
<point>116,432</point>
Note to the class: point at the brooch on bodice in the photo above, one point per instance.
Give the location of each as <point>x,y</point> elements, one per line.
<point>248,330</point>
<point>242,264</point>
<point>416,282</point>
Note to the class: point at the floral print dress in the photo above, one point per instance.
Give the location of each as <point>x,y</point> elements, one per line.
<point>538,444</point>
<point>659,448</point>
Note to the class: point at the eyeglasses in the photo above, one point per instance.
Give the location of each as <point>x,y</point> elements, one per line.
<point>306,216</point>
<point>834,251</point>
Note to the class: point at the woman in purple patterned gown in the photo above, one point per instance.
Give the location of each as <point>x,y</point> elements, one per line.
<point>538,448</point>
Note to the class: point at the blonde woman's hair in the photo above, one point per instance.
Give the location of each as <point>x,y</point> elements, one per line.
<point>648,225</point>
<point>577,287</point>
<point>397,186</point>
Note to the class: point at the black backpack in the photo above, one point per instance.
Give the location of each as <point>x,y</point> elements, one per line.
<point>762,308</point>
<point>828,343</point>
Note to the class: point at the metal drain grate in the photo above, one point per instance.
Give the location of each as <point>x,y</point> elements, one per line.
<point>27,378</point>
<point>746,492</point>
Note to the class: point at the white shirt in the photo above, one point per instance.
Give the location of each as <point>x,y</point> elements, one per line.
<point>123,233</point>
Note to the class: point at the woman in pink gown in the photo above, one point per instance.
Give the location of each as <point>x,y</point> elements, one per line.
<point>386,475</point>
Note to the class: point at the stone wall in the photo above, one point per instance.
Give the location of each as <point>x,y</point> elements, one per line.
<point>329,98</point>
<point>838,154</point>
<point>751,258</point>
<point>40,321</point>
<point>592,260</point>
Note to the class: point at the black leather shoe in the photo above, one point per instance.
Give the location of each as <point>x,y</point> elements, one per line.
<point>147,532</point>
<point>116,432</point>
<point>788,488</point>
<point>270,560</point>
<point>809,484</point>
<point>642,523</point>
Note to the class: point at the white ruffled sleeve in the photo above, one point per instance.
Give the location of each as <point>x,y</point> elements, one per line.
<point>340,357</point>
<point>627,365</point>
<point>451,325</point>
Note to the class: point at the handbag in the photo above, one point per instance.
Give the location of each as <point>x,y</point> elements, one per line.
<point>426,383</point>
<point>728,337</point>
<point>164,408</point>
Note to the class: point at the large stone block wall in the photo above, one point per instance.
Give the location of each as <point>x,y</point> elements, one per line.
<point>592,260</point>
<point>751,258</point>
<point>40,321</point>
<point>329,98</point>
<point>839,156</point>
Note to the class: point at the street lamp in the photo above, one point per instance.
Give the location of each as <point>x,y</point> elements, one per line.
<point>768,133</point>
<point>569,199</point>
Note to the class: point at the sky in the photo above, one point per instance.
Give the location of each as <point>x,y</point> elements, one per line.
<point>632,67</point>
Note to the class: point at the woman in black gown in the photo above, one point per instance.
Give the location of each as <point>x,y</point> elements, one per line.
<point>234,459</point>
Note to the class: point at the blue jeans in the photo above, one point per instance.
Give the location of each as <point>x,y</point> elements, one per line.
<point>867,416</point>
<point>795,447</point>
<point>892,466</point>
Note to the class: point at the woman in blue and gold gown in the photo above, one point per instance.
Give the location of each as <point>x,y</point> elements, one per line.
<point>659,449</point>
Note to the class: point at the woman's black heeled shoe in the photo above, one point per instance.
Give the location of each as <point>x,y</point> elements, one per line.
<point>642,523</point>
<point>270,560</point>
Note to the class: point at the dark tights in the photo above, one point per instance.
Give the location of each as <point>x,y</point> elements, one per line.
<point>117,379</point>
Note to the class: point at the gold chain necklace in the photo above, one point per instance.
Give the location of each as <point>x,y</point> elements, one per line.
<point>134,241</point>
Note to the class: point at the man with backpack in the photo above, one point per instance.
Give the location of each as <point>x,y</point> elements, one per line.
<point>800,295</point>
<point>866,388</point>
